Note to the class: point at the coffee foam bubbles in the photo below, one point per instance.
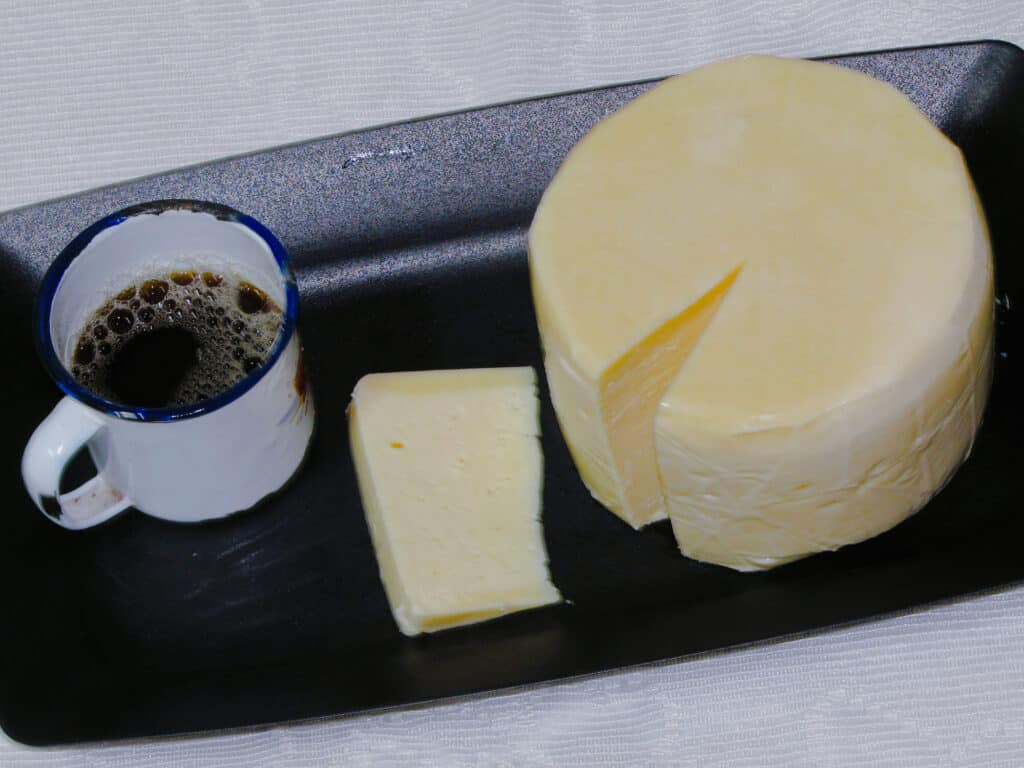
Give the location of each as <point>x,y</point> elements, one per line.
<point>207,302</point>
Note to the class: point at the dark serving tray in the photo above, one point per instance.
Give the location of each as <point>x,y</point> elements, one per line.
<point>409,246</point>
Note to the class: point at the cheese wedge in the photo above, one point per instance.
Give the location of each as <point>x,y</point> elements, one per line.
<point>764,290</point>
<point>450,473</point>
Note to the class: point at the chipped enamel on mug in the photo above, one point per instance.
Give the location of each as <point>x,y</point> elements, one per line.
<point>198,462</point>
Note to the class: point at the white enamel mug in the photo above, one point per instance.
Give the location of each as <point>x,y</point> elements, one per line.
<point>199,462</point>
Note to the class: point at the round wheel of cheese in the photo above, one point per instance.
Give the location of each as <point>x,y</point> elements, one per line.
<point>764,290</point>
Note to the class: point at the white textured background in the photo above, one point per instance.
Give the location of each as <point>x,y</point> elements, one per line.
<point>96,92</point>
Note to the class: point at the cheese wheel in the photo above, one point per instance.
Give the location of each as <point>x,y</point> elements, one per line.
<point>764,290</point>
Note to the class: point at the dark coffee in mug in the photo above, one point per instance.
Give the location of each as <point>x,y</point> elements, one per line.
<point>171,340</point>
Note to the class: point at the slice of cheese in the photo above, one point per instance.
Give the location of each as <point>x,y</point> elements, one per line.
<point>450,472</point>
<point>766,283</point>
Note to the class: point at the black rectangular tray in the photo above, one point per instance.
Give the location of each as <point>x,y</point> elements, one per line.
<point>409,246</point>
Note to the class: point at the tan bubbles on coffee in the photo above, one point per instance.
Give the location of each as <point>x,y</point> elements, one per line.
<point>183,277</point>
<point>188,339</point>
<point>251,299</point>
<point>154,291</point>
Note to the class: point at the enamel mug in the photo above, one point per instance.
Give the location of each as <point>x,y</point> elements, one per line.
<point>192,463</point>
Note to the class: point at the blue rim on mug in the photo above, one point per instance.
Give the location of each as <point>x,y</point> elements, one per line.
<point>52,279</point>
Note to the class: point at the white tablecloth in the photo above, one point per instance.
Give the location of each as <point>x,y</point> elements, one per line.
<point>97,92</point>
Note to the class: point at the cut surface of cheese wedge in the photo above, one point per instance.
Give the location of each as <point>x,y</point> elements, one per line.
<point>841,373</point>
<point>450,472</point>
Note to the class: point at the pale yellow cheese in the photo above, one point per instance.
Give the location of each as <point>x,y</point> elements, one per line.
<point>450,472</point>
<point>839,375</point>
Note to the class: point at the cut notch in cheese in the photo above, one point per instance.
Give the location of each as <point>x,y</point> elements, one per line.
<point>631,390</point>
<point>450,472</point>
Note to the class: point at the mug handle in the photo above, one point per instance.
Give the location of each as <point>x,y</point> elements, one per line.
<point>69,428</point>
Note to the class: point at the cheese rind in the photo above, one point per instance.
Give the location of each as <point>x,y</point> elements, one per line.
<point>842,378</point>
<point>450,473</point>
